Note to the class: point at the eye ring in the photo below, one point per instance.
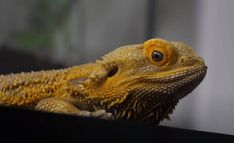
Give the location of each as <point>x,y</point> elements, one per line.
<point>157,56</point>
<point>160,52</point>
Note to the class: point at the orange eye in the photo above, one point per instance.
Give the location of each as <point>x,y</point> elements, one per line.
<point>158,51</point>
<point>157,56</point>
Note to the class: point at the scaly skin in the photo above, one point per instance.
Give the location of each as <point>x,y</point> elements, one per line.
<point>141,82</point>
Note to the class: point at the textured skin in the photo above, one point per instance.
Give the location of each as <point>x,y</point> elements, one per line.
<point>128,82</point>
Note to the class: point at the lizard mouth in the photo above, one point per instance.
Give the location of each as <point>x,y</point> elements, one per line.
<point>181,73</point>
<point>181,84</point>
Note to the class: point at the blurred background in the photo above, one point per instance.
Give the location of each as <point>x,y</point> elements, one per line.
<point>46,34</point>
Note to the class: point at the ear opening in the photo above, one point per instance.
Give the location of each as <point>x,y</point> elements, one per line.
<point>113,71</point>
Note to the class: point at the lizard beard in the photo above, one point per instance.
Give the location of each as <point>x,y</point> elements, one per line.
<point>153,102</point>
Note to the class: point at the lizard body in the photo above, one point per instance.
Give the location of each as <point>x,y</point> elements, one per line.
<point>140,82</point>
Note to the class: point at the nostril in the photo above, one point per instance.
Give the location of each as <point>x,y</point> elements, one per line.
<point>113,71</point>
<point>182,60</point>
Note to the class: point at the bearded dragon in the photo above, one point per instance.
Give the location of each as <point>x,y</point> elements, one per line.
<point>142,82</point>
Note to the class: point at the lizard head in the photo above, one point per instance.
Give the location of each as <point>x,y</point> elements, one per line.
<point>146,81</point>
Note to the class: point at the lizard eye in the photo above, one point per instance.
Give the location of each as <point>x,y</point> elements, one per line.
<point>157,56</point>
<point>159,52</point>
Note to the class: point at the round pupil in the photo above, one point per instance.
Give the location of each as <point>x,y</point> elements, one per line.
<point>157,56</point>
